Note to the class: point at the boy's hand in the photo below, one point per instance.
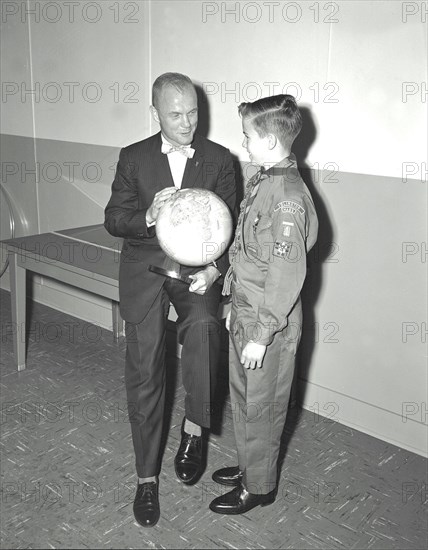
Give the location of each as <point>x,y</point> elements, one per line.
<point>252,355</point>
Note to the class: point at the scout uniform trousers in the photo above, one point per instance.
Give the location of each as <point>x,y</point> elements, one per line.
<point>259,397</point>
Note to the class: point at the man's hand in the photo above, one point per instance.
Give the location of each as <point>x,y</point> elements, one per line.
<point>252,355</point>
<point>203,280</point>
<point>158,201</point>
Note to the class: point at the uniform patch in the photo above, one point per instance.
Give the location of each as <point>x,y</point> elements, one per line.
<point>289,206</point>
<point>281,249</point>
<point>287,229</point>
<point>256,223</point>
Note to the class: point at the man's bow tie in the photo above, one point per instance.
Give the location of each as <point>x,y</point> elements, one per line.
<point>186,151</point>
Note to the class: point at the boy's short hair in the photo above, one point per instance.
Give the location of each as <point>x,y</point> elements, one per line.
<point>277,114</point>
<point>178,80</point>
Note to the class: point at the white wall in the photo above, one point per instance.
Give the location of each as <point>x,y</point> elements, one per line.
<point>349,68</point>
<point>88,65</point>
<point>75,88</point>
<point>363,357</point>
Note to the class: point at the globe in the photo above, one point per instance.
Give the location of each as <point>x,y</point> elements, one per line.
<point>194,227</point>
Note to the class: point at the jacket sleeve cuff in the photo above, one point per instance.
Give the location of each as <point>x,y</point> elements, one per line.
<point>260,333</point>
<point>142,229</point>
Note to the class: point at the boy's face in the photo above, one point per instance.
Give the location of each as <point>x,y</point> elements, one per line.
<point>257,147</point>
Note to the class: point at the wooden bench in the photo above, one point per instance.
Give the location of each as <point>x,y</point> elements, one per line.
<point>84,257</point>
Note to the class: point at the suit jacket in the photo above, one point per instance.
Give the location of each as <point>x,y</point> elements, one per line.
<point>141,172</point>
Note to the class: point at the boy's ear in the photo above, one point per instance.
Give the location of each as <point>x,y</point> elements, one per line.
<point>154,113</point>
<point>272,141</point>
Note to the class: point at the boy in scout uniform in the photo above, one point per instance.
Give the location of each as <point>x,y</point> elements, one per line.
<point>277,226</point>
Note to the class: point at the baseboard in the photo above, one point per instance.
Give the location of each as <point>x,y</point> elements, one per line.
<point>406,431</point>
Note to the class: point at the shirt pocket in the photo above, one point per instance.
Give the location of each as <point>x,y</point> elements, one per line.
<point>262,228</point>
<point>260,237</point>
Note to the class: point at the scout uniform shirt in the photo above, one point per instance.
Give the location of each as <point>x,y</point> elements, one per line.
<point>277,226</point>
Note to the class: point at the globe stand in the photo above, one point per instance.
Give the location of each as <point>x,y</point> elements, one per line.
<point>171,269</point>
<point>170,273</point>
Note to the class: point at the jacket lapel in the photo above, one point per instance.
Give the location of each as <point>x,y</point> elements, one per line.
<point>164,172</point>
<point>159,162</point>
<point>194,165</point>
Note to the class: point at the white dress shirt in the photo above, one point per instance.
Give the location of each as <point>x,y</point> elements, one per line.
<point>177,164</point>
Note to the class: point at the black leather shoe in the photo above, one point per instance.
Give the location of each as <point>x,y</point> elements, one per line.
<point>239,501</point>
<point>146,504</point>
<point>228,476</point>
<point>188,460</point>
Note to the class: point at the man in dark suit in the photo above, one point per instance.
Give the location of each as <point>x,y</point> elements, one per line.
<point>148,174</point>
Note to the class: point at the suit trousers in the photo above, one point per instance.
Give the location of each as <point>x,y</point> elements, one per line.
<point>259,397</point>
<point>198,330</point>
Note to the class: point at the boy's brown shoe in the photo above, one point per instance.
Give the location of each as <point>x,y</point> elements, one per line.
<point>239,501</point>
<point>231,475</point>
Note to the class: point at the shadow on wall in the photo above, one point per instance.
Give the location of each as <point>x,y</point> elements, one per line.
<point>316,257</point>
<point>313,282</point>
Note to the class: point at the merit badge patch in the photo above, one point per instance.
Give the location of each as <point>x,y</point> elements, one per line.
<point>287,228</point>
<point>281,249</point>
<point>289,206</point>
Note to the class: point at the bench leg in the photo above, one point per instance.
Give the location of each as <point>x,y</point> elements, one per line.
<point>18,297</point>
<point>117,321</point>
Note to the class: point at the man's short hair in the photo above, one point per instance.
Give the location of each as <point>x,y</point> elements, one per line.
<point>278,115</point>
<point>178,80</point>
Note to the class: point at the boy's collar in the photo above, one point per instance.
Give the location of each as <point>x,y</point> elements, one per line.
<point>279,167</point>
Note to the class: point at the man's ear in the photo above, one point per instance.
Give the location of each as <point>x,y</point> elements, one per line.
<point>272,141</point>
<point>154,112</point>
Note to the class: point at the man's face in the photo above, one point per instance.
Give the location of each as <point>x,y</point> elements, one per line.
<point>256,146</point>
<point>177,114</point>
